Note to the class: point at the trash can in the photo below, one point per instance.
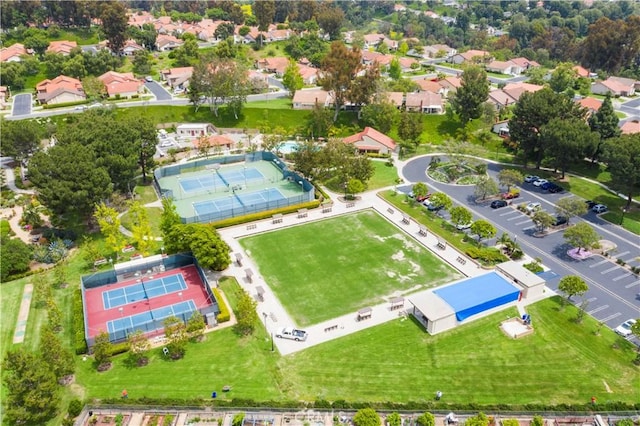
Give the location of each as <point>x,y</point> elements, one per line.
<point>214,394</point>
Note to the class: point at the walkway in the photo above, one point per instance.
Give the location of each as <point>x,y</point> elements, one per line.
<point>23,314</point>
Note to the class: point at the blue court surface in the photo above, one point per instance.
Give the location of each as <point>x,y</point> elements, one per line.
<point>220,179</point>
<point>237,201</point>
<point>134,322</point>
<point>478,294</point>
<point>146,289</point>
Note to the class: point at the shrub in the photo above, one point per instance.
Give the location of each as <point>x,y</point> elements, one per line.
<point>75,407</point>
<point>119,348</point>
<point>533,267</point>
<point>64,104</point>
<point>80,343</point>
<point>489,255</point>
<point>224,314</point>
<point>264,215</point>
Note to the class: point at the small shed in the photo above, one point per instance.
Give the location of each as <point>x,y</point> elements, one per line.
<point>532,285</point>
<point>433,312</point>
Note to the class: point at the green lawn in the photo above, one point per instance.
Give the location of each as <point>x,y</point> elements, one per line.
<point>279,103</point>
<point>154,219</point>
<point>383,175</point>
<point>145,192</point>
<point>360,259</point>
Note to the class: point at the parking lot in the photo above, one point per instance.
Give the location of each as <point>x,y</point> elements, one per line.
<point>21,104</point>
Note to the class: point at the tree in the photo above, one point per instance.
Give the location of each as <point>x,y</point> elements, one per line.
<point>330,19</point>
<point>187,54</point>
<point>55,354</point>
<point>140,227</point>
<point>582,236</point>
<point>38,42</point>
<point>196,326</point>
<point>605,123</point>
<point>479,419</point>
<point>292,79</point>
<point>264,11</point>
<point>460,215</point>
<point>114,25</point>
<point>305,158</point>
<point>354,186</point>
<point>176,333</point>
<point>395,72</point>
<point>141,62</point>
<point>486,186</point>
<point>207,246</point>
<point>570,207</point>
<point>339,69</point>
<point>102,349</point>
<point>16,256</point>
<point>473,92</point>
<point>441,199</point>
<point>169,223</point>
<point>365,87</point>
<point>319,121</point>
<point>381,116</point>
<point>246,314</point>
<point>20,138</point>
<point>563,77</point>
<point>32,392</point>
<point>225,30</point>
<point>483,229</point>
<point>611,45</point>
<point>572,285</point>
<point>420,190</point>
<point>426,419</point>
<point>394,419</point>
<point>109,223</point>
<point>366,417</point>
<point>138,347</point>
<point>567,140</point>
<point>509,178</point>
<point>542,220</point>
<point>622,156</point>
<point>410,127</point>
<point>54,316</point>
<point>220,80</point>
<point>93,88</point>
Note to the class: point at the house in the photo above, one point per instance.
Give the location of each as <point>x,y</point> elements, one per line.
<point>432,86</point>
<point>591,104</point>
<point>515,90</point>
<point>124,85</point>
<point>524,63</point>
<point>195,130</point>
<point>399,8</point>
<point>615,85</point>
<point>438,51</point>
<point>213,141</point>
<point>369,57</point>
<point>501,128</point>
<point>581,72</point>
<point>309,74</point>
<point>177,77</point>
<point>371,140</point>
<point>425,102</point>
<point>131,47</point>
<point>276,65</point>
<point>406,64</point>
<point>500,99</point>
<point>371,41</point>
<point>395,98</point>
<point>471,57</point>
<point>504,67</point>
<point>308,99</point>
<point>166,43</point>
<point>62,47</point>
<point>14,52</point>
<point>140,18</point>
<point>61,89</point>
<point>630,127</point>
<point>451,84</point>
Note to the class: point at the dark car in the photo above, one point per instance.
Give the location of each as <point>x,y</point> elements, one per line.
<point>546,185</point>
<point>434,208</point>
<point>590,204</point>
<point>555,188</point>
<point>498,204</point>
<point>560,220</point>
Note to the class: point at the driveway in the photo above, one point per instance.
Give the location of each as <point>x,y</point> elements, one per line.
<point>612,289</point>
<point>22,104</point>
<point>158,91</point>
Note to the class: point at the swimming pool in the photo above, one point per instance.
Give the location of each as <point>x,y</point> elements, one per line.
<point>288,147</point>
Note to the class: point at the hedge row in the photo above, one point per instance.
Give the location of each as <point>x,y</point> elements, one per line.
<point>489,255</point>
<point>325,196</point>
<point>377,155</point>
<point>264,215</point>
<point>119,348</point>
<point>79,342</point>
<point>609,406</point>
<point>224,314</point>
<point>25,274</point>
<point>64,104</point>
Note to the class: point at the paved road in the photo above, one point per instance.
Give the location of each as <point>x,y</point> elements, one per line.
<point>158,91</point>
<point>612,294</point>
<point>21,105</point>
<point>494,80</point>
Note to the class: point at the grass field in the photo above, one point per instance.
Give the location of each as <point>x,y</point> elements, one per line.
<point>383,175</point>
<point>359,259</point>
<point>154,214</point>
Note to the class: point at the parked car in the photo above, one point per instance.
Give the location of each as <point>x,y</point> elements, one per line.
<point>463,226</point>
<point>553,188</point>
<point>533,207</point>
<point>498,204</point>
<point>510,195</point>
<point>599,208</point>
<point>421,198</point>
<point>95,105</point>
<point>540,182</point>
<point>148,78</point>
<point>434,208</point>
<point>560,220</point>
<point>531,178</point>
<point>292,333</point>
<point>624,329</point>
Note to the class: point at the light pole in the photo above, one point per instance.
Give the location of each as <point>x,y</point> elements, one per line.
<point>264,314</point>
<point>624,210</point>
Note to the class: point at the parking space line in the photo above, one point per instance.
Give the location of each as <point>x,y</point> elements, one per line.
<point>523,222</point>
<point>592,299</point>
<point>628,274</point>
<point>599,263</point>
<point>508,213</point>
<point>610,317</point>
<point>606,271</point>
<point>624,253</point>
<point>514,218</point>
<point>636,283</point>
<point>598,309</point>
<point>528,228</point>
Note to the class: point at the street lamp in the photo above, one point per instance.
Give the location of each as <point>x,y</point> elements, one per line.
<point>624,210</point>
<point>264,314</point>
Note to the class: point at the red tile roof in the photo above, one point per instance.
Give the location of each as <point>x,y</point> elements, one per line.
<point>373,134</point>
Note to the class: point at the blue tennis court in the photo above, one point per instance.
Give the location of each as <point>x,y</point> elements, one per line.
<point>237,201</point>
<point>218,179</point>
<point>147,289</point>
<point>134,322</point>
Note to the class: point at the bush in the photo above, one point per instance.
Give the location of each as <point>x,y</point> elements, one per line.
<point>488,255</point>
<point>533,267</point>
<point>264,215</point>
<point>79,341</point>
<point>119,348</point>
<point>64,104</point>
<point>224,314</point>
<point>75,407</point>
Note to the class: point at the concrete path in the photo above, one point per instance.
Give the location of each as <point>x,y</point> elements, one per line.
<point>23,314</point>
<point>11,181</point>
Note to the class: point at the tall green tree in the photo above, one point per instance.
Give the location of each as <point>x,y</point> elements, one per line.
<point>246,314</point>
<point>305,158</point>
<point>20,138</point>
<point>329,18</point>
<point>319,121</point>
<point>220,80</point>
<point>32,392</point>
<point>460,215</point>
<point>168,220</point>
<point>264,11</point>
<point>138,347</point>
<point>176,333</point>
<point>441,199</point>
<point>364,88</point>
<point>605,123</point>
<point>582,236</point>
<point>483,229</point>
<point>420,190</point>
<point>410,127</point>
<point>570,207</point>
<point>563,77</point>
<point>207,246</point>
<point>622,156</point>
<point>140,227</point>
<point>115,24</point>
<point>339,70</point>
<point>510,177</point>
<point>472,93</point>
<point>395,72</point>
<point>109,222</point>
<point>102,349</point>
<point>566,141</point>
<point>542,220</point>
<point>572,285</point>
<point>426,419</point>
<point>55,354</point>
<point>486,186</point>
<point>16,256</point>
<point>381,116</point>
<point>292,79</point>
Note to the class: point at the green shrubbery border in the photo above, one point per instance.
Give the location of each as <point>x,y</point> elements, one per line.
<point>64,104</point>
<point>264,215</point>
<point>224,314</point>
<point>79,342</point>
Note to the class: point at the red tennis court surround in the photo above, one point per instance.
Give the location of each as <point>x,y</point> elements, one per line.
<point>97,316</point>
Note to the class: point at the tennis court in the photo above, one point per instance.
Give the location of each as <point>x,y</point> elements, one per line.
<point>143,290</point>
<point>237,201</point>
<point>217,179</point>
<point>134,322</point>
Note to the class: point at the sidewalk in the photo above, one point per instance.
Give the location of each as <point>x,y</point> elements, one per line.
<point>274,314</point>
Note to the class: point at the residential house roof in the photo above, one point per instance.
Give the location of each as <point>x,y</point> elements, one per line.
<point>165,39</point>
<point>429,85</point>
<point>396,98</point>
<point>470,54</point>
<point>629,82</point>
<point>140,18</point>
<point>48,89</point>
<point>311,96</point>
<point>372,133</point>
<point>63,47</point>
<point>592,104</point>
<point>630,127</point>
<point>524,63</point>
<point>373,39</point>
<point>276,64</point>
<point>500,65</point>
<point>404,61</point>
<point>423,99</point>
<point>501,98</point>
<point>307,73</point>
<point>132,45</point>
<point>119,83</point>
<point>451,82</point>
<point>14,51</point>
<point>582,72</point>
<point>213,140</point>
<point>515,90</point>
<point>615,86</point>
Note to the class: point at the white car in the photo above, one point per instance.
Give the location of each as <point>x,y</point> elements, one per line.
<point>624,329</point>
<point>540,182</point>
<point>464,226</point>
<point>291,333</point>
<point>599,208</point>
<point>533,207</point>
<point>148,78</point>
<point>531,178</point>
